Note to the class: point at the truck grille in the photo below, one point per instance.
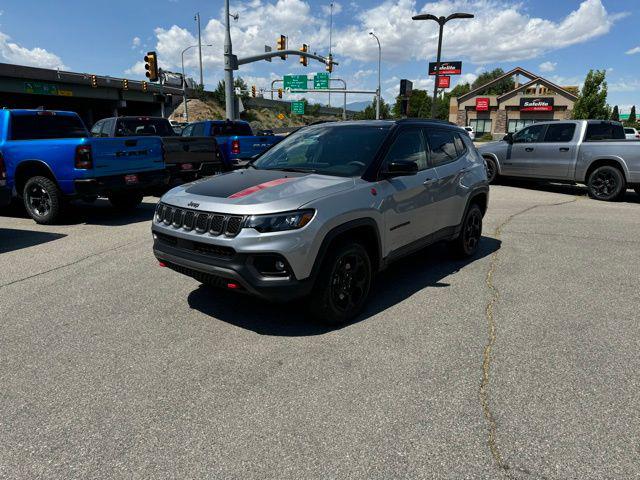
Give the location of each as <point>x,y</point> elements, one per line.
<point>215,223</point>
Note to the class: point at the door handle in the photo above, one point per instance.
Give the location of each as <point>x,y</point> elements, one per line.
<point>564,149</point>
<point>429,181</point>
<point>528,149</point>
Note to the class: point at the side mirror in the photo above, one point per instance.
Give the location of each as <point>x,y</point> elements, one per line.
<point>508,138</point>
<point>400,168</point>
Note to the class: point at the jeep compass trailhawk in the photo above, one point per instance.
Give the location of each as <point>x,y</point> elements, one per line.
<point>321,212</point>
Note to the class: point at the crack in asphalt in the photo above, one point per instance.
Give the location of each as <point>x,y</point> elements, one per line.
<point>491,340</point>
<point>70,263</point>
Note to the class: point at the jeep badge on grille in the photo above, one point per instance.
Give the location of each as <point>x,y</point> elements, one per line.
<point>193,204</point>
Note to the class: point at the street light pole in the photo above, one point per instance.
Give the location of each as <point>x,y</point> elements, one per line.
<point>200,49</point>
<point>228,66</point>
<point>184,79</point>
<point>379,74</point>
<point>441,22</point>
<point>330,43</point>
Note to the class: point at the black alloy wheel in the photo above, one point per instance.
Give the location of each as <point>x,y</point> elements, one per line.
<point>467,243</point>
<point>42,199</point>
<point>492,169</point>
<point>606,183</point>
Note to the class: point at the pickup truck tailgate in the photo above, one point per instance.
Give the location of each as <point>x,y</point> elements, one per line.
<point>195,150</point>
<point>126,155</point>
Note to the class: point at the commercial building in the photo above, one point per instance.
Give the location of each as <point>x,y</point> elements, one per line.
<point>534,100</point>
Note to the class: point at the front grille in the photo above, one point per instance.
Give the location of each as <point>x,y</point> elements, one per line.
<point>215,223</point>
<point>218,251</point>
<point>214,250</point>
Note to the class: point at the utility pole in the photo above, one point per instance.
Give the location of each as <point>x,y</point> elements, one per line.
<point>197,19</point>
<point>229,61</point>
<point>441,21</point>
<point>379,70</point>
<point>330,43</point>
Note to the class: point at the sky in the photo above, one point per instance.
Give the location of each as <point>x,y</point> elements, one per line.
<point>557,39</point>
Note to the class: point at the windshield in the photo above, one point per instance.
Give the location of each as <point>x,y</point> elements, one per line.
<point>340,150</point>
<point>128,127</point>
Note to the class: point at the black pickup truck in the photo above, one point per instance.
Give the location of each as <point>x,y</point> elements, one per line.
<point>186,158</point>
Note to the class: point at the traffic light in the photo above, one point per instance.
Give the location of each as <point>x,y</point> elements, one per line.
<point>304,60</point>
<point>94,81</point>
<point>282,45</point>
<point>145,87</point>
<point>330,64</point>
<point>151,66</point>
<point>279,93</point>
<point>125,84</point>
<point>253,91</point>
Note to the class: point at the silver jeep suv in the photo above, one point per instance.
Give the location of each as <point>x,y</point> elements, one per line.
<point>322,211</point>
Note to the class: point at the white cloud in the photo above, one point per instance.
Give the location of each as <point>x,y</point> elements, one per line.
<point>11,52</point>
<point>135,43</point>
<point>547,66</point>
<point>625,85</point>
<point>501,31</point>
<point>633,51</point>
<point>360,74</point>
<point>337,8</point>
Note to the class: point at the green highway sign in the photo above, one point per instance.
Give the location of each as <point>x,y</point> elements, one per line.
<point>295,82</point>
<point>321,81</point>
<point>297,108</point>
<point>39,88</point>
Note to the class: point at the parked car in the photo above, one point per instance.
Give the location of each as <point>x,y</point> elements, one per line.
<point>186,158</point>
<point>5,191</point>
<point>593,152</point>
<point>631,133</point>
<point>472,134</point>
<point>236,139</point>
<point>319,213</point>
<point>50,158</point>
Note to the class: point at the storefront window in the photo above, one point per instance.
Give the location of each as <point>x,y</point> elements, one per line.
<point>515,125</point>
<point>480,126</point>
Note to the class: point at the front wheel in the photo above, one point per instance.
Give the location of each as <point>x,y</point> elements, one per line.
<point>42,200</point>
<point>606,183</point>
<point>492,169</point>
<point>467,243</point>
<point>125,201</point>
<point>343,284</point>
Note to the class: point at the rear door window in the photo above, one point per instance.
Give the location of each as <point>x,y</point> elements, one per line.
<point>560,132</point>
<point>442,144</point>
<point>128,127</point>
<point>231,129</point>
<point>46,125</point>
<point>604,131</point>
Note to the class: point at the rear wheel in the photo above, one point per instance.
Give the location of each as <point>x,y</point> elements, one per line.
<point>606,183</point>
<point>466,245</point>
<point>492,169</point>
<point>125,201</point>
<point>42,200</point>
<point>343,284</point>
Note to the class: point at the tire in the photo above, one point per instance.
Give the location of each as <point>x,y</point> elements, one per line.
<point>467,243</point>
<point>125,201</point>
<point>492,169</point>
<point>606,183</point>
<point>42,200</point>
<point>343,284</point>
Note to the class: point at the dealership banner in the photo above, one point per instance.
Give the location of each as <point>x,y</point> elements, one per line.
<point>482,104</point>
<point>446,68</point>
<point>536,104</point>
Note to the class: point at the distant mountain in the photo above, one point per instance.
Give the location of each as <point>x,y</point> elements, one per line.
<point>358,106</point>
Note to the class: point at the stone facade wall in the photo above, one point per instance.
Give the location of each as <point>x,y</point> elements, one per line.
<point>461,118</point>
<point>501,122</point>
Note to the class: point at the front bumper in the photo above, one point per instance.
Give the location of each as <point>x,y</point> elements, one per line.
<point>5,196</point>
<point>222,266</point>
<point>116,183</point>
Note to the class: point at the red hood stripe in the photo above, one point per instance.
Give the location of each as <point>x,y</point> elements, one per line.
<point>262,186</point>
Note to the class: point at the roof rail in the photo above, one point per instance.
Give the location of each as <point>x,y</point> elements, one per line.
<point>429,120</point>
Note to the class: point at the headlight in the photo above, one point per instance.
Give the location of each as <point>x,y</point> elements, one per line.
<point>280,222</point>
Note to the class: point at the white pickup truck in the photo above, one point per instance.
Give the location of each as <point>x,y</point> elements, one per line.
<point>593,152</point>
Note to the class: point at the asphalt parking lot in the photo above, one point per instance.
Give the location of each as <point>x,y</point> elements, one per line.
<point>523,363</point>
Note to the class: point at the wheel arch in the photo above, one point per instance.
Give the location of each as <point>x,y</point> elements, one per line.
<point>493,157</point>
<point>607,161</point>
<point>28,169</point>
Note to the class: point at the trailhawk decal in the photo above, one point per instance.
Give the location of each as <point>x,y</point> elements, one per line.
<point>261,186</point>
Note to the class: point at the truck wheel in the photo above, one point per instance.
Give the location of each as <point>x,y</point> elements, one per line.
<point>492,169</point>
<point>466,245</point>
<point>42,200</point>
<point>606,183</point>
<point>125,201</point>
<point>343,285</point>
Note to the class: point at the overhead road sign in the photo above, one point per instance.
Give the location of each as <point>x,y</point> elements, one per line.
<point>321,81</point>
<point>295,82</point>
<point>446,68</point>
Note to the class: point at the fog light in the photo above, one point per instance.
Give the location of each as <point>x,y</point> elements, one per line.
<point>280,266</point>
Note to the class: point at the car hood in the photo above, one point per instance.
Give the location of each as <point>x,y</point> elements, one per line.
<point>252,192</point>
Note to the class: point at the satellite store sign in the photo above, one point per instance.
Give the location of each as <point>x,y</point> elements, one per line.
<point>446,68</point>
<point>482,104</point>
<point>536,104</point>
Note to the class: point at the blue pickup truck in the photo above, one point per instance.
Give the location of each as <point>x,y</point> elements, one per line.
<point>235,139</point>
<point>50,158</point>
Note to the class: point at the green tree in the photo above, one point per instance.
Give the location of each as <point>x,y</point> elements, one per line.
<point>632,116</point>
<point>419,105</point>
<point>615,114</point>
<point>502,87</point>
<point>369,113</point>
<point>218,94</point>
<point>592,101</point>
